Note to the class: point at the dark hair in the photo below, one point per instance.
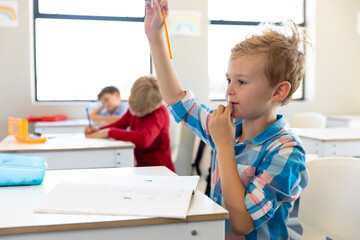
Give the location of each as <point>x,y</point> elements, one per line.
<point>109,89</point>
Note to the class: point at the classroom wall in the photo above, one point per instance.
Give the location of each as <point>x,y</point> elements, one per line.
<point>337,59</point>
<point>334,75</point>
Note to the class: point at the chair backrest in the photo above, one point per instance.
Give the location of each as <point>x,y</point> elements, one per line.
<point>175,135</point>
<point>185,150</point>
<point>330,204</point>
<point>205,160</point>
<point>308,120</point>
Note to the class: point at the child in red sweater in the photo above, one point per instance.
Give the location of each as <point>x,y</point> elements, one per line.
<point>149,123</point>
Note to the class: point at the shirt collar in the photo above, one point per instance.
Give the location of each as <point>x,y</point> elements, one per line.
<point>267,134</point>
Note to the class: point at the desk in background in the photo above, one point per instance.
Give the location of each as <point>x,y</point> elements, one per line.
<point>205,221</point>
<point>68,126</point>
<point>352,121</point>
<point>69,151</point>
<point>330,142</point>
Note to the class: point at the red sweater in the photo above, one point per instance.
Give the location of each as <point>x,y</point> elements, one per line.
<point>150,134</point>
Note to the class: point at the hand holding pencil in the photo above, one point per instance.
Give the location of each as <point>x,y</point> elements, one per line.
<point>89,129</point>
<point>170,85</point>
<point>155,19</point>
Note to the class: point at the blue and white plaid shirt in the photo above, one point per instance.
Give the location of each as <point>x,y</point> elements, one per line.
<point>271,167</point>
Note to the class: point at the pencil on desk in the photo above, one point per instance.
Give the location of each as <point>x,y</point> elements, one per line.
<point>167,33</point>
<point>88,117</point>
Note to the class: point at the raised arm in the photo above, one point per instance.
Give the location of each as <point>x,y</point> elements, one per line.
<point>170,85</point>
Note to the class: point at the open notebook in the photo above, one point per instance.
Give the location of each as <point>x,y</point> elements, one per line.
<point>152,196</point>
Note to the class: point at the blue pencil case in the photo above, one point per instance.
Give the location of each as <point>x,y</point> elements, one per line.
<point>17,169</point>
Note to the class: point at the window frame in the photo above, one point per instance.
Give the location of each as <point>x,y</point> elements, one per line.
<point>38,15</point>
<point>251,23</point>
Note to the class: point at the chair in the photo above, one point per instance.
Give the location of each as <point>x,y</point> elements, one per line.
<point>308,120</point>
<point>201,165</point>
<point>329,206</point>
<point>175,135</point>
<point>182,151</point>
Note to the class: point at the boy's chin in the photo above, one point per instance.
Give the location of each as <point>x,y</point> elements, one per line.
<point>236,115</point>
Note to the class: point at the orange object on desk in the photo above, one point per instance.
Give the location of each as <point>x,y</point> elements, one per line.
<point>18,127</point>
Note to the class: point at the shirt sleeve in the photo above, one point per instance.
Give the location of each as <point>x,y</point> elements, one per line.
<point>144,137</point>
<point>103,113</point>
<point>122,109</point>
<point>122,123</point>
<point>280,178</point>
<point>194,116</point>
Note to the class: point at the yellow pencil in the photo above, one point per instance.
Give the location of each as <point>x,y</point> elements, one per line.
<point>167,33</point>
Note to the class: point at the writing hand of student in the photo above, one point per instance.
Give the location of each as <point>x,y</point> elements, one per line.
<point>154,19</point>
<point>99,134</point>
<point>89,130</point>
<point>221,126</point>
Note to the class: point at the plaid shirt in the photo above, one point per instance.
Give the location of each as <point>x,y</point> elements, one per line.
<point>271,167</point>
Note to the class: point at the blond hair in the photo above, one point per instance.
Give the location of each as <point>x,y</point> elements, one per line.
<point>283,59</point>
<point>145,96</point>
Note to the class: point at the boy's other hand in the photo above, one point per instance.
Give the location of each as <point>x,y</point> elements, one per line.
<point>99,134</point>
<point>89,130</point>
<point>154,20</point>
<point>221,126</point>
<point>96,112</point>
<point>100,108</point>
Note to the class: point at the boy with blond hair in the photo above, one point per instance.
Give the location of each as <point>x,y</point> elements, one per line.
<point>259,166</point>
<point>148,120</point>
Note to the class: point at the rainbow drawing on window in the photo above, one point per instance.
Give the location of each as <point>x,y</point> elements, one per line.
<point>184,23</point>
<point>8,13</point>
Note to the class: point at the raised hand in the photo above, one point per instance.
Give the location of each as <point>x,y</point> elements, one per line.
<point>154,20</point>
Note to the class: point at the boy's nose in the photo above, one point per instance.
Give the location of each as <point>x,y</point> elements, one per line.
<point>229,91</point>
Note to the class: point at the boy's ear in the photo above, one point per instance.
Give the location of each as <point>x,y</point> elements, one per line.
<point>117,94</point>
<point>282,90</point>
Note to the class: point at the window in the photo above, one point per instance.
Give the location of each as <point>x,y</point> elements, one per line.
<point>82,46</point>
<point>231,21</point>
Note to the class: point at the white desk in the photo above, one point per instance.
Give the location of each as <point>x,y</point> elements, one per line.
<point>69,151</point>
<point>330,142</point>
<point>205,219</point>
<point>352,121</point>
<point>68,126</point>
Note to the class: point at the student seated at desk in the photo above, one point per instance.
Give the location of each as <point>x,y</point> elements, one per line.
<point>112,107</point>
<point>259,166</point>
<point>149,125</point>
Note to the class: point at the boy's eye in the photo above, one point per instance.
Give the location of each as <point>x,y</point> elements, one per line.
<point>228,81</point>
<point>242,82</point>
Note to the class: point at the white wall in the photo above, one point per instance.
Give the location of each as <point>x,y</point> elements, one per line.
<point>336,63</point>
<point>337,60</point>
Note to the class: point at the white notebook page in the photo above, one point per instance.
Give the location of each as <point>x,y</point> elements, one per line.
<point>152,196</point>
